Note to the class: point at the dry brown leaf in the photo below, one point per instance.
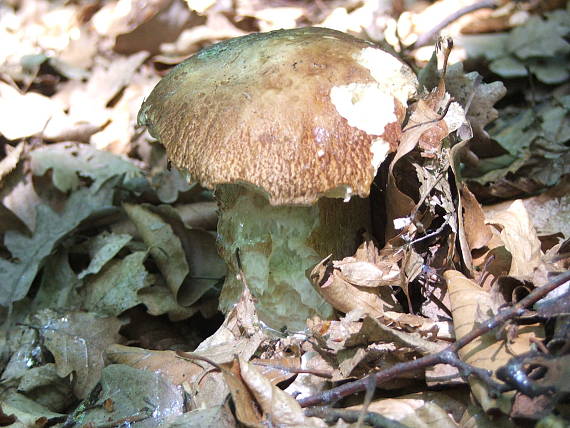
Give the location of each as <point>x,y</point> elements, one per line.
<point>117,134</point>
<point>455,165</point>
<point>495,21</point>
<point>307,384</point>
<point>342,295</point>
<point>374,331</point>
<point>177,370</point>
<point>23,115</point>
<point>426,410</point>
<point>350,358</point>
<point>89,103</point>
<point>417,21</point>
<point>138,25</point>
<point>11,161</point>
<point>360,277</point>
<point>366,274</point>
<point>246,410</point>
<point>277,406</point>
<point>200,6</point>
<point>471,305</point>
<point>398,204</point>
<point>477,232</point>
<point>275,18</point>
<point>549,212</point>
<point>20,197</point>
<point>368,19</point>
<point>443,376</point>
<point>332,335</point>
<point>240,334</point>
<point>217,416</point>
<point>276,369</point>
<point>416,323</point>
<point>217,28</point>
<point>272,15</point>
<point>520,238</point>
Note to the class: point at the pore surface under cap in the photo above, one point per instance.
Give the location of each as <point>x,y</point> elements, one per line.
<point>295,113</point>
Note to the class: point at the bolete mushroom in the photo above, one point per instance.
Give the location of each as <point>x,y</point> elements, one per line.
<point>287,127</point>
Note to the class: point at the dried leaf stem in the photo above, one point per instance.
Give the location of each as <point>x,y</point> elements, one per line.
<point>446,356</point>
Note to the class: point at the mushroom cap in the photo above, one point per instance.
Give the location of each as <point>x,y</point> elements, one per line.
<point>297,114</point>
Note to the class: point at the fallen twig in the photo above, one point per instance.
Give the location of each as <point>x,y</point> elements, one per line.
<point>318,373</point>
<point>331,415</point>
<point>446,356</point>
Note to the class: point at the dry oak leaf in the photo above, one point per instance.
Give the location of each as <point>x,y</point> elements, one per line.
<point>77,341</point>
<point>366,274</point>
<point>177,370</point>
<point>341,294</point>
<point>519,237</point>
<point>471,305</point>
<point>277,405</point>
<point>246,410</point>
<point>477,232</point>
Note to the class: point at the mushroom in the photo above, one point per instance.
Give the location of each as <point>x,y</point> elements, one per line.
<point>289,128</point>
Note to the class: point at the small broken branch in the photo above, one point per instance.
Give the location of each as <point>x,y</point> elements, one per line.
<point>446,356</point>
<point>318,373</point>
<point>331,416</point>
<point>426,37</point>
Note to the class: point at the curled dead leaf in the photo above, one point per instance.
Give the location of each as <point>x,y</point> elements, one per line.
<point>278,370</point>
<point>471,305</point>
<point>283,409</point>
<point>177,370</point>
<point>366,274</point>
<point>477,232</point>
<point>341,294</point>
<point>519,237</point>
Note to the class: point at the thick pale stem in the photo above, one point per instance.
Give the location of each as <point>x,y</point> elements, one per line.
<point>278,245</point>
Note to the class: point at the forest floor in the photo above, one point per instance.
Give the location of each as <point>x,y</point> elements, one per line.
<point>453,311</point>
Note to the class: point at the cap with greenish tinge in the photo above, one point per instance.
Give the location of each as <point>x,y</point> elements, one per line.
<point>297,114</point>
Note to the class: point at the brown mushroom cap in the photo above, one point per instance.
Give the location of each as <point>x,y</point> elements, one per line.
<point>296,113</point>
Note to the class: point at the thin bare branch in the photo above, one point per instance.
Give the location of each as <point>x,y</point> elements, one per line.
<point>446,356</point>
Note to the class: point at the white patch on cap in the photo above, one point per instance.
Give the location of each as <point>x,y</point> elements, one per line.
<point>365,106</point>
<point>380,149</point>
<point>392,75</point>
<point>320,153</point>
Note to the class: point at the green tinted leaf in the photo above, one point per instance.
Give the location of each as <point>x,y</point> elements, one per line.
<point>77,341</point>
<point>103,248</point>
<point>29,253</point>
<point>541,37</point>
<point>114,290</point>
<point>165,247</point>
<point>58,288</point>
<point>70,161</point>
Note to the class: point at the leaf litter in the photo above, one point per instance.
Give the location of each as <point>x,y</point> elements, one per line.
<point>109,275</point>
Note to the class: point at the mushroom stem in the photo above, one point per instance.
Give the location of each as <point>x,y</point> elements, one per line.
<point>278,245</point>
